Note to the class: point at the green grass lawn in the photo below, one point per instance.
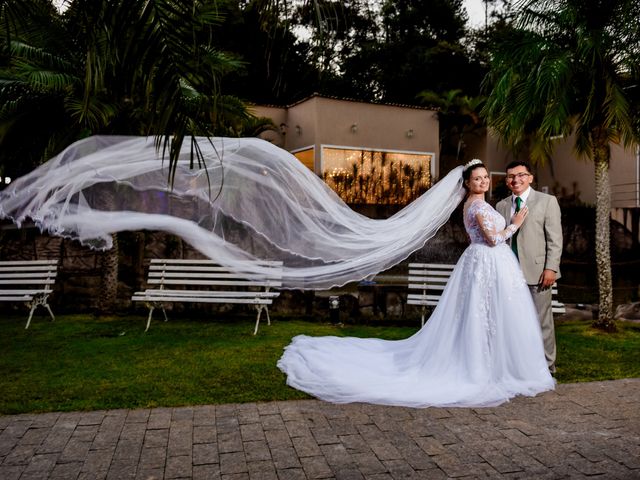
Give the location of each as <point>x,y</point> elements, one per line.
<point>83,363</point>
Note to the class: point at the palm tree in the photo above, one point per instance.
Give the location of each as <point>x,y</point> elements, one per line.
<point>110,67</point>
<point>565,69</point>
<point>126,67</point>
<point>458,115</point>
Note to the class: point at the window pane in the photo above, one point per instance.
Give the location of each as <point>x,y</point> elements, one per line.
<point>370,177</point>
<point>307,158</point>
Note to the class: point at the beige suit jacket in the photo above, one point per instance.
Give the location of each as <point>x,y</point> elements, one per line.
<point>539,237</point>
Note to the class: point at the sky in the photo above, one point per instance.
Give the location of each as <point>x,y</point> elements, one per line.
<point>475,11</point>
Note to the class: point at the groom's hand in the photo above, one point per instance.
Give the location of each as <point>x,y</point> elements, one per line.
<point>547,279</point>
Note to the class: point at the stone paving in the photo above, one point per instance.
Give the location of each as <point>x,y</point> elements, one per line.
<point>578,431</point>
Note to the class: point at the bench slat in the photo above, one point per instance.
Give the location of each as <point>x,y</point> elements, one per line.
<point>201,268</point>
<point>427,286</point>
<point>203,299</point>
<point>16,298</point>
<point>433,266</point>
<point>178,261</point>
<point>12,291</point>
<point>258,278</point>
<point>422,286</point>
<point>420,299</point>
<point>27,281</point>
<point>37,270</point>
<point>437,273</point>
<point>34,281</point>
<point>429,277</point>
<point>20,275</point>
<point>10,263</point>
<point>212,283</point>
<point>207,293</point>
<point>419,296</point>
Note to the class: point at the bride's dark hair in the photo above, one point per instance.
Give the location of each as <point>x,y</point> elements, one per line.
<point>468,168</point>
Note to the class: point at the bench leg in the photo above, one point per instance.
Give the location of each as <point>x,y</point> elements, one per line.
<point>424,311</point>
<point>53,319</point>
<point>33,307</point>
<point>151,307</point>
<point>38,300</point>
<point>259,308</point>
<point>266,310</point>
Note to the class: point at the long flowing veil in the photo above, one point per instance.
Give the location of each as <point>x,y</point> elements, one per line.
<point>250,200</point>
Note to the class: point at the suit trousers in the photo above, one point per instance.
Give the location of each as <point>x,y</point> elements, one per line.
<point>542,300</point>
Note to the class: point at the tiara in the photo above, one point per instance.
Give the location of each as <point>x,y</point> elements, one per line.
<point>471,163</point>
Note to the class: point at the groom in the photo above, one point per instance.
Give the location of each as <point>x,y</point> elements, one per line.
<point>538,245</point>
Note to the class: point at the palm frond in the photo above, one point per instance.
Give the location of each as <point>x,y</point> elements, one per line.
<point>617,112</point>
<point>31,55</point>
<point>44,80</point>
<point>549,75</point>
<point>93,114</point>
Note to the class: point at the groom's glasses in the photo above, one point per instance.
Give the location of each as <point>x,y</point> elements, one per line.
<point>519,176</point>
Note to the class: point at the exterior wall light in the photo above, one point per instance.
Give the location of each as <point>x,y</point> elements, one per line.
<point>334,309</point>
<point>410,133</point>
<point>354,128</point>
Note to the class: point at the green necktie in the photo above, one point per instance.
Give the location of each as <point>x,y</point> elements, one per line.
<point>514,238</point>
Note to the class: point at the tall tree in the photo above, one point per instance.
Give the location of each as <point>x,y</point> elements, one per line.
<point>566,68</point>
<point>386,50</point>
<point>422,49</point>
<point>458,115</point>
<point>276,65</point>
<point>343,36</point>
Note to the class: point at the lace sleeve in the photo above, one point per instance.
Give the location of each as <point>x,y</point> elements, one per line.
<point>487,224</point>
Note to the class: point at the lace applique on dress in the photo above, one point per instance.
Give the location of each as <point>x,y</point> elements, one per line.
<point>485,225</point>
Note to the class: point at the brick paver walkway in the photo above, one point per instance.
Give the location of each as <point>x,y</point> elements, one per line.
<point>578,431</point>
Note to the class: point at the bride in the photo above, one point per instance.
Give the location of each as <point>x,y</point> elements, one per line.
<point>481,346</point>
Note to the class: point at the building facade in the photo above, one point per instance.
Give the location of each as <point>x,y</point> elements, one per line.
<point>393,147</point>
<point>368,153</point>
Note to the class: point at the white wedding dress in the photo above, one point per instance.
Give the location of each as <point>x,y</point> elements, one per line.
<point>481,346</point>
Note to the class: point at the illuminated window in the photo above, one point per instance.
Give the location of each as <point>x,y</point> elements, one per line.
<point>373,177</point>
<point>306,157</point>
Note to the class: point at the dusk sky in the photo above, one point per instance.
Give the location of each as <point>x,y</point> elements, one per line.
<point>475,10</point>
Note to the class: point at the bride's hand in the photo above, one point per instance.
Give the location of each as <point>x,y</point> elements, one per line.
<point>519,217</point>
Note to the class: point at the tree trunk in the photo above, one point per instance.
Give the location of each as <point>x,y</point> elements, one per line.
<point>109,278</point>
<point>601,155</point>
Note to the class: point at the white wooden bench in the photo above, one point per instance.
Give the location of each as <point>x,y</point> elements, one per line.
<point>205,281</point>
<point>29,281</point>
<point>426,281</point>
